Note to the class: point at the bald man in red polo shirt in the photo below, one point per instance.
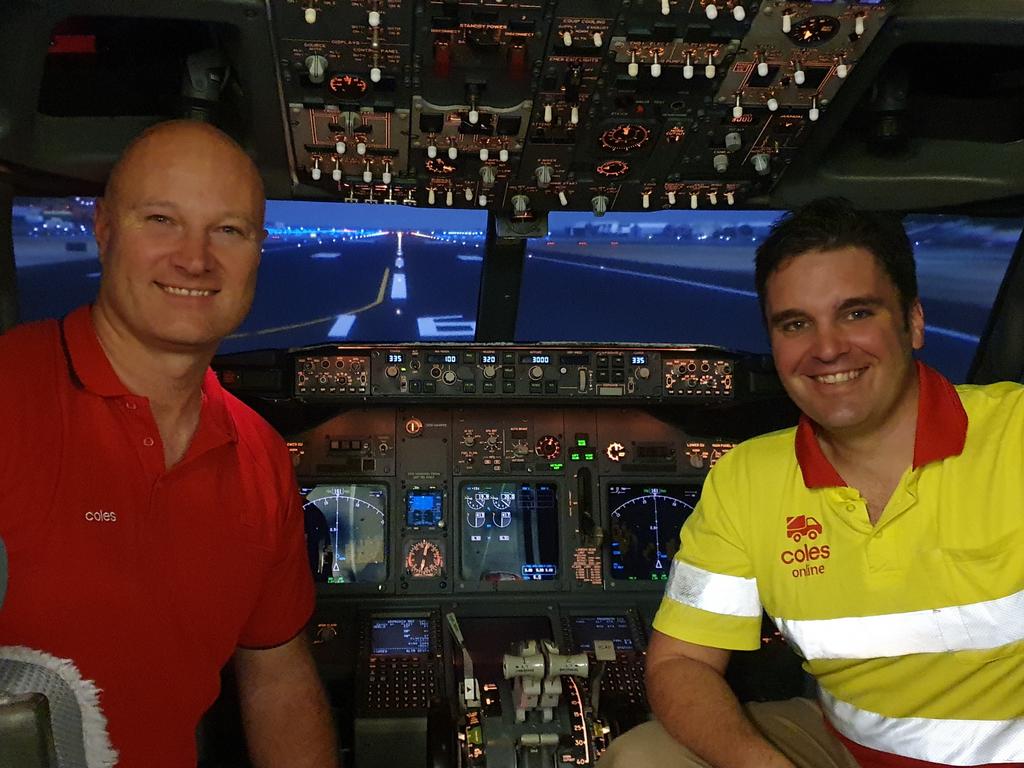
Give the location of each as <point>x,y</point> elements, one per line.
<point>151,519</point>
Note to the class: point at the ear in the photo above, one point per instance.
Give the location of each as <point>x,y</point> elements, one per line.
<point>101,226</point>
<point>915,322</point>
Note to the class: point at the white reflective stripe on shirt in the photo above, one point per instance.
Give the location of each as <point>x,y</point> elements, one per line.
<point>946,742</point>
<point>972,627</point>
<point>712,592</point>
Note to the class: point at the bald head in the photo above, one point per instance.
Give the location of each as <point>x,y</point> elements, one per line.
<point>184,138</point>
<point>179,232</point>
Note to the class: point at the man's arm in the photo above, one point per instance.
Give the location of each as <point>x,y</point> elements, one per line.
<point>284,709</point>
<point>688,693</point>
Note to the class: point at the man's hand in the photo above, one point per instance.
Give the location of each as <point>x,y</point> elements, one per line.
<point>284,710</point>
<point>688,693</point>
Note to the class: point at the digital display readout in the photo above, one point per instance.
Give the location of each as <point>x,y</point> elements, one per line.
<point>396,357</point>
<point>574,358</point>
<point>645,522</point>
<point>509,532</point>
<point>488,359</point>
<point>346,532</point>
<point>587,629</point>
<point>423,507</point>
<point>449,358</point>
<point>399,636</point>
<point>535,359</point>
<point>638,360</point>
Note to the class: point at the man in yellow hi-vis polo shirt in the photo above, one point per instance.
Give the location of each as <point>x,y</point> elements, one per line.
<point>884,535</point>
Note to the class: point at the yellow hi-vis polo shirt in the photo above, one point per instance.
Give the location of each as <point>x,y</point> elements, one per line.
<point>913,627</point>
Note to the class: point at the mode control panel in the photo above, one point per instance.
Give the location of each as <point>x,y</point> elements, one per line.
<point>520,372</point>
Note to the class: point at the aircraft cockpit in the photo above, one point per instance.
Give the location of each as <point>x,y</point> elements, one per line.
<point>505,317</point>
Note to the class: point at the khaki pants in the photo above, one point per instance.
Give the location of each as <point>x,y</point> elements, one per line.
<point>795,727</point>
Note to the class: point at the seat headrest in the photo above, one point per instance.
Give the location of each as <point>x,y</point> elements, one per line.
<point>78,725</point>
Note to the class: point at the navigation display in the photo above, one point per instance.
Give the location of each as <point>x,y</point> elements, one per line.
<point>399,636</point>
<point>587,629</point>
<point>346,532</point>
<point>645,522</point>
<point>509,532</point>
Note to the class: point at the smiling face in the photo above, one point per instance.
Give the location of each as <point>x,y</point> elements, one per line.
<point>841,343</point>
<point>179,233</point>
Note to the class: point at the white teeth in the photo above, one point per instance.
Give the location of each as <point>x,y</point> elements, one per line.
<point>838,378</point>
<point>185,291</point>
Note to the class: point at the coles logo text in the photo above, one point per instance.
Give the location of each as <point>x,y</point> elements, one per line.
<point>101,516</point>
<point>806,560</point>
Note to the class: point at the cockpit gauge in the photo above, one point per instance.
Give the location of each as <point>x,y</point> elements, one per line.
<point>657,516</point>
<point>439,167</point>
<point>477,500</point>
<point>814,30</point>
<point>503,500</point>
<point>612,169</point>
<point>549,447</point>
<point>625,138</point>
<point>348,86</point>
<point>424,559</point>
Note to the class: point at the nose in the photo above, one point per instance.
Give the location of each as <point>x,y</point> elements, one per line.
<point>194,256</point>
<point>830,342</point>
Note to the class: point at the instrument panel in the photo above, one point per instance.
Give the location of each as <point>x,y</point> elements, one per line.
<point>489,561</point>
<point>542,372</point>
<point>534,105</point>
<point>476,499</point>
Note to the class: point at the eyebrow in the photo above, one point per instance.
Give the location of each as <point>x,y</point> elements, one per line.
<point>778,318</point>
<point>169,204</point>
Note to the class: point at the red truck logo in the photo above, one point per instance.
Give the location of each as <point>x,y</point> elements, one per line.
<point>802,525</point>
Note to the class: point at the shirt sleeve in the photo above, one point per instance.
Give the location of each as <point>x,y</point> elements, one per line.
<point>286,600</point>
<point>31,419</point>
<point>711,596</point>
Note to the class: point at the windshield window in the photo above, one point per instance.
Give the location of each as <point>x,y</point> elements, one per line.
<point>687,277</point>
<point>329,273</point>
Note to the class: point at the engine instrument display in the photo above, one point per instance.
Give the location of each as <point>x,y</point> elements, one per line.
<point>346,532</point>
<point>510,532</point>
<point>645,522</point>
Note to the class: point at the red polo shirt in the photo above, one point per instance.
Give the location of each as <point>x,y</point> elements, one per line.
<point>145,578</point>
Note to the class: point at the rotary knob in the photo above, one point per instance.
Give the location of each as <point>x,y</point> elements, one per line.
<point>487,176</point>
<point>536,373</point>
<point>316,68</point>
<point>391,371</point>
<point>449,377</point>
<point>520,204</point>
<point>543,174</point>
<point>325,634</point>
<point>490,371</point>
<point>615,451</point>
<point>599,204</point>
